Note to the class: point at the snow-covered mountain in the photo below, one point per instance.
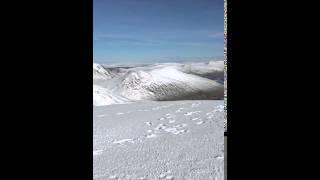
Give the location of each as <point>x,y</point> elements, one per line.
<point>159,82</point>
<point>100,73</point>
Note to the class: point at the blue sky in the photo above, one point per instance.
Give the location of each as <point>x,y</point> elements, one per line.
<point>139,31</point>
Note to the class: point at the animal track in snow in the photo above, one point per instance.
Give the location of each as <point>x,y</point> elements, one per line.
<point>219,108</point>
<point>102,115</point>
<point>180,110</point>
<point>195,104</point>
<point>175,131</point>
<point>181,125</point>
<point>151,135</point>
<point>172,130</point>
<point>166,175</point>
<point>139,139</point>
<point>209,113</point>
<point>219,157</point>
<point>200,122</point>
<point>172,121</point>
<point>148,123</point>
<point>160,126</point>
<point>113,177</point>
<point>210,117</point>
<point>196,118</point>
<point>168,116</point>
<point>97,152</point>
<point>180,131</point>
<point>123,141</point>
<point>190,113</point>
<point>169,177</point>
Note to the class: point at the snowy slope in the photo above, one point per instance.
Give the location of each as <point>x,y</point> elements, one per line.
<point>168,83</point>
<point>213,70</point>
<point>103,96</point>
<point>163,81</point>
<point>100,73</point>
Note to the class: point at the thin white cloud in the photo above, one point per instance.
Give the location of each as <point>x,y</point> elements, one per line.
<point>216,35</point>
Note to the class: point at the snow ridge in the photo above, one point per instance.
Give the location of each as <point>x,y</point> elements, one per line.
<point>159,82</point>
<point>100,73</point>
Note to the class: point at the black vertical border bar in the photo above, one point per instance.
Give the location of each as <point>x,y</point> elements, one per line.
<point>85,132</point>
<point>89,25</point>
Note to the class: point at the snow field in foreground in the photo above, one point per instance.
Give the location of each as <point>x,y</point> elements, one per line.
<point>159,140</point>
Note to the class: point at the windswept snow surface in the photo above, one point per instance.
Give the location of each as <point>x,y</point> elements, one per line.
<point>157,82</point>
<point>177,140</point>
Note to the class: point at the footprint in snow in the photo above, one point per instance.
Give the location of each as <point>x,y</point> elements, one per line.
<point>166,175</point>
<point>169,177</point>
<point>195,104</point>
<point>200,122</point>
<point>181,125</point>
<point>172,121</point>
<point>209,113</point>
<point>102,115</point>
<point>171,130</point>
<point>170,116</point>
<point>180,131</point>
<point>151,135</point>
<point>190,113</point>
<point>148,123</point>
<point>210,117</point>
<point>160,126</point>
<point>219,157</point>
<point>97,152</point>
<point>180,110</point>
<point>175,131</point>
<point>196,118</point>
<point>123,141</point>
<point>113,177</point>
<point>139,140</point>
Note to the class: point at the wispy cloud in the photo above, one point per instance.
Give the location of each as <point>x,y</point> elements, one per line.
<point>115,37</point>
<point>186,38</point>
<point>216,35</point>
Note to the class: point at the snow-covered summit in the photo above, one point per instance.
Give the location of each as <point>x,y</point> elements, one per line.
<point>158,82</point>
<point>100,73</point>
